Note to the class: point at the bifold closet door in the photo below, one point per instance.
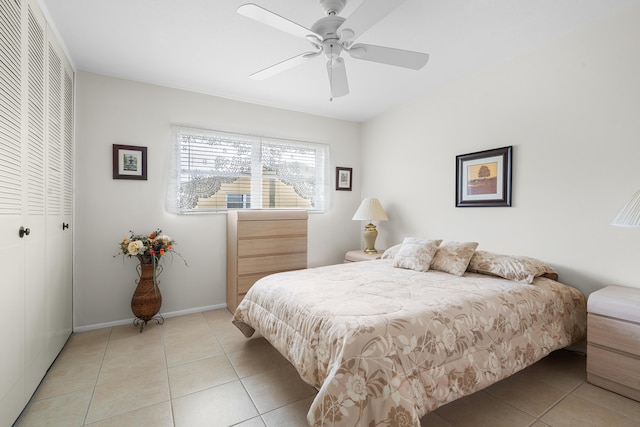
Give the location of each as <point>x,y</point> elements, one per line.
<point>36,188</point>
<point>59,191</point>
<point>34,163</point>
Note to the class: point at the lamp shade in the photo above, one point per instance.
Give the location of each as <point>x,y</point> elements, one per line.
<point>370,210</point>
<point>629,216</point>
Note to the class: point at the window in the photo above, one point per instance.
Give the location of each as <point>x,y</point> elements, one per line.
<point>214,171</point>
<point>238,201</point>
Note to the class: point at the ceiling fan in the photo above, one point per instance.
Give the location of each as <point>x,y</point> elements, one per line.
<point>334,34</point>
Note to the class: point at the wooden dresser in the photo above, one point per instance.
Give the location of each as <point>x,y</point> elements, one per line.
<point>613,340</point>
<point>262,242</point>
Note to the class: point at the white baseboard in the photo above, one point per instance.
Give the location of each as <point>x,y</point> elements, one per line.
<point>130,321</point>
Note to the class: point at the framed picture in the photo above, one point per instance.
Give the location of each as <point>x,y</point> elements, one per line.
<point>484,178</point>
<point>343,178</point>
<point>129,162</point>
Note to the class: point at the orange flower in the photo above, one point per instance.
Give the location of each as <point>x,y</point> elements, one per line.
<point>161,251</point>
<point>152,235</point>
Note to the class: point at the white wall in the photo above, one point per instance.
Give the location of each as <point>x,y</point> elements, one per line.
<point>572,112</point>
<point>570,109</point>
<point>113,111</point>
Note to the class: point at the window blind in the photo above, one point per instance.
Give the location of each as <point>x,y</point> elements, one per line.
<point>211,170</point>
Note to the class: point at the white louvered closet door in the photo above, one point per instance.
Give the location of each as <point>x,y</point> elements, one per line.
<point>12,296</point>
<point>59,191</point>
<point>36,144</point>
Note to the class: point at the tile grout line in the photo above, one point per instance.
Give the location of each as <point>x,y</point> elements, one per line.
<point>95,385</point>
<point>560,400</point>
<point>166,363</point>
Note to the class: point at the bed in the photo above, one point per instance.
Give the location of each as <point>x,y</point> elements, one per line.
<point>385,344</point>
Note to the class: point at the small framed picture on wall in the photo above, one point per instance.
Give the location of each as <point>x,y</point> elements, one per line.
<point>343,178</point>
<point>129,162</point>
<point>484,178</point>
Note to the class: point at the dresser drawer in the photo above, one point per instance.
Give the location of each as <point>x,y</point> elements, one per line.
<point>273,263</point>
<point>245,282</point>
<point>615,367</point>
<point>613,333</point>
<point>271,246</point>
<point>253,229</point>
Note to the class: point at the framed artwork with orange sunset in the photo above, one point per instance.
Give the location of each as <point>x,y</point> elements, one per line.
<point>483,178</point>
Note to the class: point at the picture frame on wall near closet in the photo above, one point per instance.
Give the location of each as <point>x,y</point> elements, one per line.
<point>129,162</point>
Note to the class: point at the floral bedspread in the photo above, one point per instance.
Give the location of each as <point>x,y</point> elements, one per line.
<point>385,346</point>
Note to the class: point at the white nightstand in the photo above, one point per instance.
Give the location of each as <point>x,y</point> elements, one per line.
<point>355,256</point>
<point>613,340</point>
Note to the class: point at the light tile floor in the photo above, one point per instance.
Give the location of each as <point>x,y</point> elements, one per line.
<point>199,370</point>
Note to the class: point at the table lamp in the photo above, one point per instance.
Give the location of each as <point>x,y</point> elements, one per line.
<point>629,216</point>
<point>370,210</point>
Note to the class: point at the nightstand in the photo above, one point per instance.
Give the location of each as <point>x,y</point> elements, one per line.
<point>355,256</point>
<point>613,340</point>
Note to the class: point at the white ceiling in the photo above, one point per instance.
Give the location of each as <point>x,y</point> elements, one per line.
<point>206,46</point>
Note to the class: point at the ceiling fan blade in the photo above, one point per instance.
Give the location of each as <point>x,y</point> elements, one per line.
<point>274,20</point>
<point>368,14</point>
<point>389,55</point>
<point>337,77</point>
<point>283,66</point>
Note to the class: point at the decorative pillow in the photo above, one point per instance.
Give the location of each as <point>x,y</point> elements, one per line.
<point>391,252</point>
<point>416,253</point>
<point>517,268</point>
<point>453,257</point>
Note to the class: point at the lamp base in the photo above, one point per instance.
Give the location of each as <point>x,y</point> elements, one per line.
<point>370,234</point>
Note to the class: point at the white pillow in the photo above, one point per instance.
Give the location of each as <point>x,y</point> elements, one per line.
<point>391,252</point>
<point>416,253</point>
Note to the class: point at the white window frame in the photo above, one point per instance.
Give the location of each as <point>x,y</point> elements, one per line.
<point>180,174</point>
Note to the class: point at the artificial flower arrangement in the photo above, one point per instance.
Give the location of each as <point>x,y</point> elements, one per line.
<point>148,248</point>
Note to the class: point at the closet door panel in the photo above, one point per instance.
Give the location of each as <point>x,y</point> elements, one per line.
<point>65,290</point>
<point>12,293</point>
<point>37,360</point>
<point>59,137</point>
